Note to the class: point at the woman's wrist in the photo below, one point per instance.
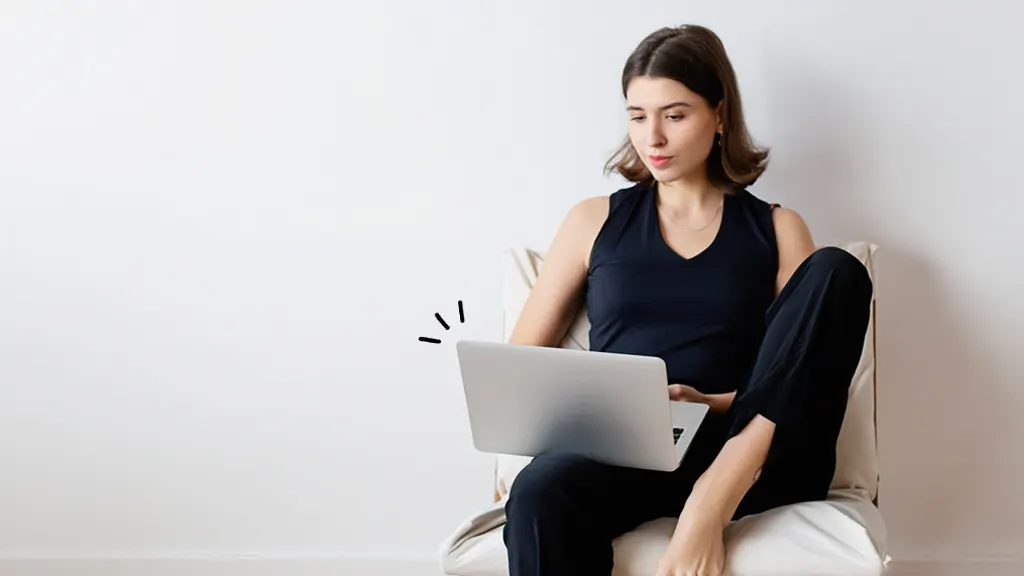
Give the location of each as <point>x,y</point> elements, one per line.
<point>719,403</point>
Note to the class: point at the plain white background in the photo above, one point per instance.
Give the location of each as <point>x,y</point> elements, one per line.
<point>224,225</point>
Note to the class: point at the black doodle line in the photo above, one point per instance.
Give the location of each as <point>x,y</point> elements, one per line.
<point>441,320</point>
<point>462,320</point>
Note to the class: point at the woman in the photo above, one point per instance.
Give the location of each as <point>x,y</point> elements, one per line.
<point>729,290</point>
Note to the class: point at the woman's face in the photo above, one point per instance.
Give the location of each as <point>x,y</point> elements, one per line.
<point>671,127</point>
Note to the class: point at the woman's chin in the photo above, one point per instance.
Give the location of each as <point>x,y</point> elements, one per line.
<point>666,176</point>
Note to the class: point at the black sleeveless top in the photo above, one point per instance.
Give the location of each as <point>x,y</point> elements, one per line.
<point>705,315</point>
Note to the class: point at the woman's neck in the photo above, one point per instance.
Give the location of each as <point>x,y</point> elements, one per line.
<point>688,195</point>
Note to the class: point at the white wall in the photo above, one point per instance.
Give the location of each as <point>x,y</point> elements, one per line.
<point>225,224</point>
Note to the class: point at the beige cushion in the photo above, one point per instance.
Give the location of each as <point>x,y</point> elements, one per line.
<point>843,535</point>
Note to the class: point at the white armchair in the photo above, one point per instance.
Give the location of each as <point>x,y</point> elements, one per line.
<point>843,535</point>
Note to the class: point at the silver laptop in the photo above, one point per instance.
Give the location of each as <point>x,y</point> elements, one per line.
<point>612,408</point>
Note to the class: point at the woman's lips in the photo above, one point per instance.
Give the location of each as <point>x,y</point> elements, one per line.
<point>659,161</point>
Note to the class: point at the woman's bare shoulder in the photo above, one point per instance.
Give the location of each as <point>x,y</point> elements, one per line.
<point>585,220</point>
<point>592,211</point>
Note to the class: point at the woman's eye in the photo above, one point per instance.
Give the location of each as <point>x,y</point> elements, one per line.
<point>676,117</point>
<point>636,118</point>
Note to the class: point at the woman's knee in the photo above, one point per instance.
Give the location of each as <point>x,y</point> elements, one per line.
<point>836,259</point>
<point>838,263</point>
<point>545,487</point>
<point>551,488</point>
<point>529,497</point>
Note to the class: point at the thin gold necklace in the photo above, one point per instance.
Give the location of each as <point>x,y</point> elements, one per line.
<point>704,227</point>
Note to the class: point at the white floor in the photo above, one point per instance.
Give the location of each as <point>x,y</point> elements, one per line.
<point>338,567</point>
<point>258,567</point>
<point>956,569</point>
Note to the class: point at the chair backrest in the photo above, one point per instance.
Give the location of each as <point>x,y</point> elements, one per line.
<point>857,449</point>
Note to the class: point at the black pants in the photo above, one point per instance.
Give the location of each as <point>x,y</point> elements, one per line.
<point>564,511</point>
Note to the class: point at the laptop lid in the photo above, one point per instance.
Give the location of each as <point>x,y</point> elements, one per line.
<point>527,400</point>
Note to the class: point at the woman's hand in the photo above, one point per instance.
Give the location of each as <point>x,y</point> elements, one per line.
<point>718,403</point>
<point>684,393</point>
<point>697,549</point>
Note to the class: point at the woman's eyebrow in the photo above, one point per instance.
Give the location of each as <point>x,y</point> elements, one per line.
<point>665,107</point>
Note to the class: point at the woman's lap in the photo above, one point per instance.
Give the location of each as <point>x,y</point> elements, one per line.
<point>605,500</point>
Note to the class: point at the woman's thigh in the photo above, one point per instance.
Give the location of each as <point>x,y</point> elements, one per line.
<point>605,500</point>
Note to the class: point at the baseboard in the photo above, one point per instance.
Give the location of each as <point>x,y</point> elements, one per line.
<point>1007,567</point>
<point>349,566</point>
<point>376,566</point>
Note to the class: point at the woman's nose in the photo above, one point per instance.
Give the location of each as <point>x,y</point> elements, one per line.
<point>655,136</point>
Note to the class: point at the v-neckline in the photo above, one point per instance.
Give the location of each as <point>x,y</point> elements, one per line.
<point>726,201</point>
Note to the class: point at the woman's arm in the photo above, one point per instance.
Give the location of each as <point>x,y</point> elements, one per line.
<point>556,296</point>
<point>794,241</point>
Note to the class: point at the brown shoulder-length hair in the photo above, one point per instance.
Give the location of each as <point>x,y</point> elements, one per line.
<point>695,56</point>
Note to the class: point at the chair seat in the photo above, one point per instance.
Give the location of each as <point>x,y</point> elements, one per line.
<point>843,535</point>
